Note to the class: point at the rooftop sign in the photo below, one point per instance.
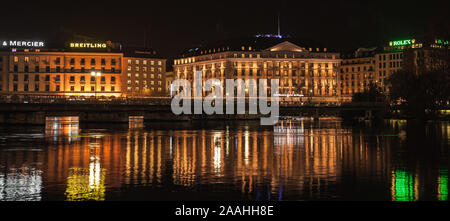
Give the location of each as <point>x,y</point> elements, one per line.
<point>87,45</point>
<point>13,43</point>
<point>402,42</point>
<point>441,42</point>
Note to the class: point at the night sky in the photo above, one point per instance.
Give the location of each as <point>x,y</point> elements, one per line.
<point>173,26</point>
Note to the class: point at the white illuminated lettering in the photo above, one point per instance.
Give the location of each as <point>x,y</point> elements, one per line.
<point>22,43</point>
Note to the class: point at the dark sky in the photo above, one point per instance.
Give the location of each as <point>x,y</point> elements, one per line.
<point>176,25</point>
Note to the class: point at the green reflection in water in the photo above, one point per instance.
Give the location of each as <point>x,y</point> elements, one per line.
<point>403,186</point>
<point>443,185</point>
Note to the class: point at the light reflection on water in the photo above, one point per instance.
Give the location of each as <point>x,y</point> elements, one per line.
<point>298,159</point>
<point>21,184</point>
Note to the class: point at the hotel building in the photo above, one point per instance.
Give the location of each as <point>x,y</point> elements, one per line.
<point>145,73</point>
<point>306,73</point>
<point>358,71</point>
<point>80,69</point>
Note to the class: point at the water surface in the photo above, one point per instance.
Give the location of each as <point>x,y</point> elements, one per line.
<point>298,159</point>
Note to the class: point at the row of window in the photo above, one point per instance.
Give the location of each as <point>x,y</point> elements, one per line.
<point>144,62</point>
<point>353,84</point>
<point>144,75</point>
<point>152,69</point>
<point>395,64</point>
<point>58,78</point>
<point>391,56</point>
<point>36,88</point>
<point>286,65</point>
<point>252,55</point>
<point>137,89</point>
<point>358,69</point>
<point>57,61</point>
<point>144,82</point>
<point>355,76</point>
<point>59,70</point>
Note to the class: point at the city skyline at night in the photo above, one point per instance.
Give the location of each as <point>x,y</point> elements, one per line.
<point>224,109</point>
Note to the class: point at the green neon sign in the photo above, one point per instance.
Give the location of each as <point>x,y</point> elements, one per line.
<point>441,42</point>
<point>402,42</point>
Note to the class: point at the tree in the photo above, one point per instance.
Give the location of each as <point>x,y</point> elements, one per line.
<point>429,90</point>
<point>371,94</point>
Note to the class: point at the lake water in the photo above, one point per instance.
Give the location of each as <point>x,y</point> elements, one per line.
<point>298,159</point>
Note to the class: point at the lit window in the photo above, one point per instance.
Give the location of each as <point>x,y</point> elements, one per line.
<point>159,63</point>
<point>129,61</point>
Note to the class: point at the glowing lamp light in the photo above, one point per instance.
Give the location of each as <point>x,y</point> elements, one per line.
<point>93,74</point>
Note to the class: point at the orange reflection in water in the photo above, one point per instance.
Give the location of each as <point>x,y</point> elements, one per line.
<point>64,126</point>
<point>296,159</point>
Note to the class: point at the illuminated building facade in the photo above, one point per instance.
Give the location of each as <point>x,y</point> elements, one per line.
<point>70,71</point>
<point>145,73</point>
<point>357,73</point>
<point>366,67</point>
<point>375,65</point>
<point>169,80</point>
<point>63,73</point>
<point>305,73</point>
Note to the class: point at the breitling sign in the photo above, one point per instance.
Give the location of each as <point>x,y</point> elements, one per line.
<point>87,45</point>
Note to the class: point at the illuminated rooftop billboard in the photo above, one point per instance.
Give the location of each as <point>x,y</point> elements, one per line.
<point>402,42</point>
<point>87,45</point>
<point>15,43</point>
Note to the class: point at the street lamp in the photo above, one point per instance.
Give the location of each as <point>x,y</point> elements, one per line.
<point>95,74</point>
